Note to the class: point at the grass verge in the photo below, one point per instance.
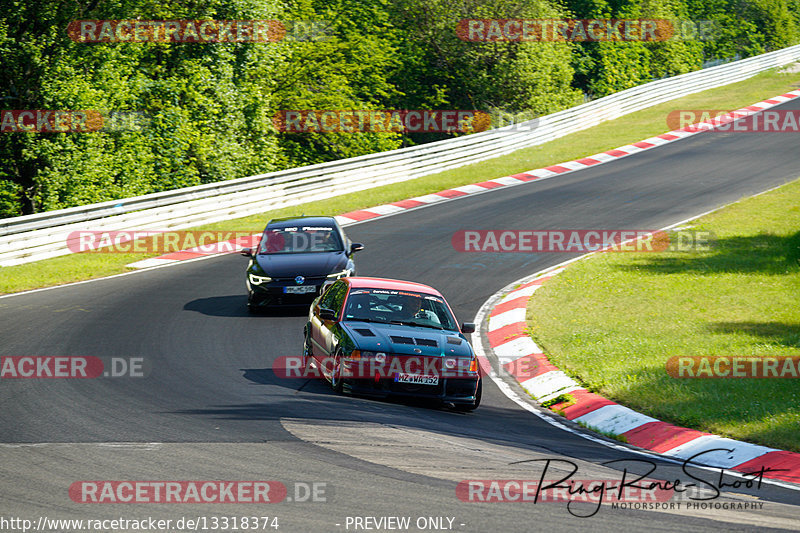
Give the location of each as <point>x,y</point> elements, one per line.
<point>613,321</point>
<point>609,135</point>
<point>610,435</point>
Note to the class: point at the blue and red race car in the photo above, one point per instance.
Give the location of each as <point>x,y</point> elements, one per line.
<point>387,337</point>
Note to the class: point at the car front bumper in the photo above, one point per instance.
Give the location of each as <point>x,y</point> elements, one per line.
<point>275,293</point>
<point>452,390</point>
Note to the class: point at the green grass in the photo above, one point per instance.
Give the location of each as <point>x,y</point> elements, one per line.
<point>614,319</point>
<point>612,134</point>
<point>564,399</point>
<point>609,434</point>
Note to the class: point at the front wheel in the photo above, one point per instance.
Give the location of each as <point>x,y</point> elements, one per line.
<point>474,405</point>
<point>307,354</point>
<point>336,373</point>
<point>253,304</point>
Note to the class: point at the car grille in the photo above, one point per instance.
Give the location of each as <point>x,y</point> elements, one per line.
<point>307,281</point>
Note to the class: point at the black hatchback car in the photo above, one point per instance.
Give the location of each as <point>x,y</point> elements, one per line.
<point>295,258</point>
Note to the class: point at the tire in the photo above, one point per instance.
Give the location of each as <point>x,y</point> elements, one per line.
<point>252,305</point>
<point>307,355</point>
<point>474,405</point>
<point>336,379</point>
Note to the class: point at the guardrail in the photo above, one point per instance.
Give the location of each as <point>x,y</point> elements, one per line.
<point>43,235</point>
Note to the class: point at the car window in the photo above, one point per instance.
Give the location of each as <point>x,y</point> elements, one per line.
<point>300,239</point>
<point>398,306</point>
<point>338,297</point>
<point>334,297</point>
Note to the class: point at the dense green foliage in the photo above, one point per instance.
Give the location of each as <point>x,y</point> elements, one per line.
<point>201,113</point>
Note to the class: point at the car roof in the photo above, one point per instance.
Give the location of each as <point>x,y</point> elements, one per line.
<point>392,284</point>
<point>308,221</point>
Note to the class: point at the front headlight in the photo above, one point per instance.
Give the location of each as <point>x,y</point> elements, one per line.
<point>357,355</point>
<point>461,365</point>
<point>336,275</point>
<point>258,280</point>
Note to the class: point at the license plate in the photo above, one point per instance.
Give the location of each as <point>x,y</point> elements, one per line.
<point>417,379</point>
<point>300,289</point>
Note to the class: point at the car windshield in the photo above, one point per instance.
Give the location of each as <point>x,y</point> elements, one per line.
<point>399,307</point>
<point>300,239</point>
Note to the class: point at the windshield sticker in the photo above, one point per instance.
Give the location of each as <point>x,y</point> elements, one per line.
<point>398,293</point>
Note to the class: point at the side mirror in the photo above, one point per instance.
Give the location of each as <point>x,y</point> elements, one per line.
<point>247,252</point>
<point>327,314</point>
<point>467,327</point>
<point>356,247</point>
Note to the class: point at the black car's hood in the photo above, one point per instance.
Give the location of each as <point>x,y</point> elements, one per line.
<point>400,339</point>
<point>302,264</point>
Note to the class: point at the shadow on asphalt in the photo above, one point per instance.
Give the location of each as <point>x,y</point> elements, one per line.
<point>236,306</point>
<point>320,386</point>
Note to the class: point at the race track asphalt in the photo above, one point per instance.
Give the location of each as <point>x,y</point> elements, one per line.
<point>210,407</point>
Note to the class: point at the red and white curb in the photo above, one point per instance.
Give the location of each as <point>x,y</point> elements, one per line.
<point>567,167</point>
<point>235,246</point>
<point>521,358</point>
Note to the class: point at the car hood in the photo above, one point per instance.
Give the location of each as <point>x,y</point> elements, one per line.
<point>400,339</point>
<point>308,264</point>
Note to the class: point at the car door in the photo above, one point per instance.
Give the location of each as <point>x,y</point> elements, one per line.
<point>323,340</point>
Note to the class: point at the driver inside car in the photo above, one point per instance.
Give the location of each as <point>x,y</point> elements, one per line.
<point>412,310</point>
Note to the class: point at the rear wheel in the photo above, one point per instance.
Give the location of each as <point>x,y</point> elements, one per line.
<point>474,405</point>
